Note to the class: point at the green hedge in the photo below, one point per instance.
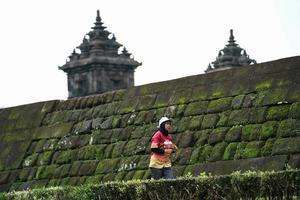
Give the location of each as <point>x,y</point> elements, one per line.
<point>249,185</point>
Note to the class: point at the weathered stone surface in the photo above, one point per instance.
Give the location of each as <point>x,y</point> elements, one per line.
<point>251,132</point>
<point>277,112</point>
<point>288,128</point>
<point>286,146</point>
<point>219,105</point>
<point>196,108</point>
<point>248,117</point>
<point>234,134</point>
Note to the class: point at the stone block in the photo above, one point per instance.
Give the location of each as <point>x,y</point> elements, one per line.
<point>53,131</point>
<point>217,135</point>
<point>87,168</point>
<point>224,116</point>
<point>182,156</point>
<point>294,111</point>
<point>183,125</point>
<point>101,136</point>
<point>199,93</point>
<point>196,108</point>
<point>239,150</point>
<point>205,153</point>
<point>294,161</point>
<point>237,101</point>
<point>268,130</point>
<point>146,102</point>
<point>279,112</point>
<point>118,149</point>
<point>230,151</point>
<point>249,100</point>
<point>201,137</point>
<point>252,149</point>
<point>251,132</point>
<point>217,152</point>
<point>163,99</point>
<point>195,155</point>
<point>239,117</point>
<point>257,115</point>
<point>234,134</point>
<point>130,147</point>
<point>210,121</point>
<point>195,122</point>
<point>276,96</point>
<point>266,150</point>
<point>186,139</point>
<point>219,105</point>
<point>288,128</point>
<point>180,97</point>
<point>286,146</point>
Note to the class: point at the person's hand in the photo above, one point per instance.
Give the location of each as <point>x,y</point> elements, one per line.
<point>168,151</point>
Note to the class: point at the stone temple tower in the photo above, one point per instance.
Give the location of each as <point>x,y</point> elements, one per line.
<point>100,66</point>
<point>230,56</point>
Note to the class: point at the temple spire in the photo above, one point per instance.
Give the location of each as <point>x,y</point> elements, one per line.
<point>230,56</point>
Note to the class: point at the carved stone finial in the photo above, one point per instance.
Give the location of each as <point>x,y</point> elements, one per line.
<point>230,56</point>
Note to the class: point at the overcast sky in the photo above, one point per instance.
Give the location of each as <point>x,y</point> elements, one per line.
<point>171,38</point>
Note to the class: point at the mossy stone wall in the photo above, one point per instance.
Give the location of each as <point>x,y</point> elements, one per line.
<point>238,119</point>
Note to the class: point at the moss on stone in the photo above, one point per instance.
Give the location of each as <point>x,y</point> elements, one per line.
<point>183,125</point>
<point>196,108</point>
<point>146,102</point>
<point>237,101</point>
<point>252,149</point>
<point>288,128</point>
<point>283,82</point>
<point>186,139</point>
<point>30,160</point>
<point>217,135</point>
<point>251,132</point>
<point>264,85</point>
<point>266,150</point>
<point>268,130</point>
<point>257,115</point>
<point>180,97</point>
<point>217,152</point>
<point>62,157</point>
<point>195,155</point>
<point>205,153</point>
<point>210,121</point>
<point>138,132</point>
<point>238,117</point>
<point>116,121</point>
<point>180,110</point>
<point>277,112</point>
<point>162,99</point>
<point>219,105</point>
<point>118,149</point>
<point>45,158</point>
<point>239,150</point>
<point>87,153</point>
<point>199,93</point>
<point>119,95</point>
<point>230,151</point>
<point>130,147</point>
<point>195,122</point>
<point>294,111</point>
<point>276,96</point>
<point>201,137</point>
<point>249,99</point>
<point>223,118</point>
<point>234,134</point>
<point>286,146</point>
<point>87,168</point>
<point>75,166</point>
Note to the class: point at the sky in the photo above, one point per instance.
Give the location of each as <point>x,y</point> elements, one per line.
<point>172,38</point>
